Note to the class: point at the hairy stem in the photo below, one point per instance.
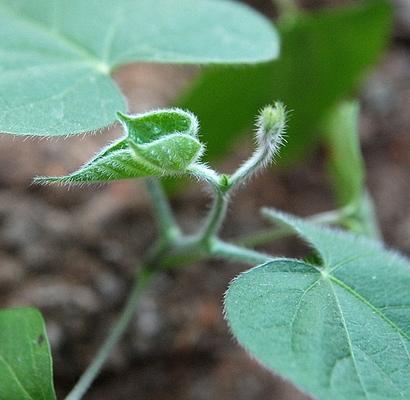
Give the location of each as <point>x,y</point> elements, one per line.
<point>216,249</point>
<point>167,226</point>
<point>215,217</point>
<point>233,252</point>
<point>249,167</point>
<point>204,173</point>
<point>264,236</point>
<point>117,331</point>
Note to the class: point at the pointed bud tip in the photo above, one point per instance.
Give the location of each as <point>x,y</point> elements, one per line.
<point>271,120</point>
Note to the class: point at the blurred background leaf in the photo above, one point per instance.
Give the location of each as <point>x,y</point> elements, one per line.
<point>345,161</point>
<point>347,169</point>
<point>324,56</point>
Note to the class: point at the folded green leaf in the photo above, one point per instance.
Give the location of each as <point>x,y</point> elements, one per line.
<point>25,358</point>
<point>158,143</point>
<point>147,127</point>
<point>339,330</point>
<point>171,155</point>
<point>324,55</point>
<point>56,56</point>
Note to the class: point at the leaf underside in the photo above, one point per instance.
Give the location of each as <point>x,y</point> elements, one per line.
<point>56,56</point>
<point>25,359</point>
<point>340,330</point>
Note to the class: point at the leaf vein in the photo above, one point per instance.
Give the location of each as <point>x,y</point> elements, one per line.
<point>370,305</point>
<point>349,341</point>
<point>16,378</point>
<point>298,307</point>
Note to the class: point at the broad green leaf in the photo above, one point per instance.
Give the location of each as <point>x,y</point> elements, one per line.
<point>56,56</point>
<point>323,57</point>
<point>339,330</point>
<point>25,357</point>
<point>156,143</point>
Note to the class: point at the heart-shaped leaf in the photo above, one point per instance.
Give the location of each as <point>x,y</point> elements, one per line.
<point>339,330</point>
<point>157,143</point>
<point>25,358</point>
<point>56,56</point>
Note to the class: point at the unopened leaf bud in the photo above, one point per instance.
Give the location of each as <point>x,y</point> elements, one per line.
<point>271,126</point>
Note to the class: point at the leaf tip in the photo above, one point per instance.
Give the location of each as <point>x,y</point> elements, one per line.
<point>122,117</point>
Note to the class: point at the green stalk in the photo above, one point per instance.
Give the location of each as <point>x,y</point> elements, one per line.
<point>255,163</point>
<point>167,226</point>
<point>215,217</point>
<point>233,252</point>
<point>263,236</point>
<point>196,252</point>
<point>86,380</point>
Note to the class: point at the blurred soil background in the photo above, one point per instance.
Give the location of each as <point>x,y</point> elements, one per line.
<point>72,252</point>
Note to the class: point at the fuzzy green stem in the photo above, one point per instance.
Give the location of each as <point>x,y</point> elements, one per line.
<point>204,173</point>
<point>195,252</point>
<point>215,217</point>
<point>263,236</point>
<point>217,213</point>
<point>233,252</point>
<point>167,226</point>
<point>117,331</point>
<point>252,165</point>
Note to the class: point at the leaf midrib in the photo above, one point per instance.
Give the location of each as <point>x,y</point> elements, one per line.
<point>378,311</point>
<point>348,338</point>
<point>332,280</point>
<point>353,292</point>
<point>402,334</point>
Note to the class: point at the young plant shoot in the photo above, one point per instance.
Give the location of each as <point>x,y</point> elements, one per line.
<point>337,323</point>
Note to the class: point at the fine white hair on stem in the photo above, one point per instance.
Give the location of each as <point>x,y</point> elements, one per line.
<point>269,138</point>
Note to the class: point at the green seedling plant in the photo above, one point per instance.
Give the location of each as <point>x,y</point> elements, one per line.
<point>336,324</point>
